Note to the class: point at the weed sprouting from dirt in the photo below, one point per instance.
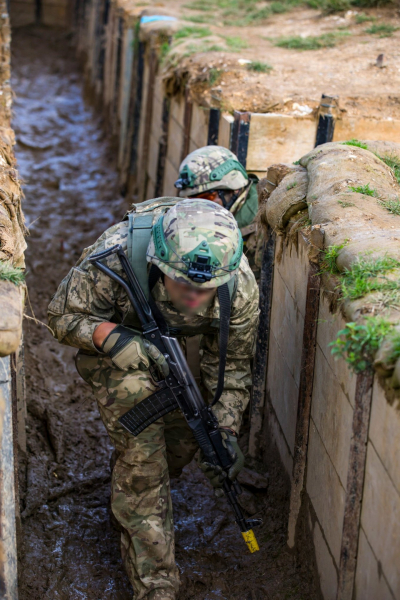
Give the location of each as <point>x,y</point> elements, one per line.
<point>12,274</point>
<point>394,163</point>
<point>214,75</point>
<point>199,19</point>
<point>393,206</point>
<point>296,42</point>
<point>363,18</point>
<point>236,43</point>
<point>345,204</point>
<point>356,143</point>
<point>358,343</point>
<point>368,275</point>
<point>382,30</point>
<point>290,186</point>
<point>259,67</point>
<point>192,32</point>
<point>365,190</point>
<point>328,263</point>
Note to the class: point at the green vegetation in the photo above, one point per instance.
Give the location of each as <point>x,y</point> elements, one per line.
<point>235,44</point>
<point>381,29</point>
<point>345,204</point>
<point>358,343</point>
<point>328,263</point>
<point>259,67</point>
<point>394,163</point>
<point>393,206</point>
<point>326,40</point>
<point>199,18</point>
<point>364,189</point>
<point>363,18</point>
<point>192,32</point>
<point>214,75</point>
<point>290,186</point>
<point>368,275</point>
<point>296,162</point>
<point>356,143</point>
<point>12,274</point>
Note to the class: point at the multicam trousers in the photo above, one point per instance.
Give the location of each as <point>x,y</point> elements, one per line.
<point>140,488</point>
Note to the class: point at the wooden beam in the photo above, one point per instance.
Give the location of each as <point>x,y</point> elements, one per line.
<point>355,485</point>
<point>144,154</point>
<point>240,135</point>
<point>326,120</point>
<point>306,382</point>
<point>137,91</point>
<point>187,123</point>
<point>262,345</point>
<point>162,148</point>
<point>213,127</point>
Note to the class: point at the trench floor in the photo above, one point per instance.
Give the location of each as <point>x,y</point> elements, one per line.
<point>68,548</point>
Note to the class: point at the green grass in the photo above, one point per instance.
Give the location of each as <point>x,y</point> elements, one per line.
<point>394,163</point>
<point>12,274</point>
<point>368,275</point>
<point>364,189</point>
<point>290,186</point>
<point>236,43</point>
<point>358,343</point>
<point>345,204</point>
<point>199,19</point>
<point>192,32</point>
<point>356,143</point>
<point>329,256</point>
<point>326,40</point>
<point>393,206</point>
<point>214,75</point>
<point>259,67</point>
<point>382,30</point>
<point>363,18</point>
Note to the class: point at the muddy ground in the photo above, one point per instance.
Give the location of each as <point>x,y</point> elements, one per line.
<point>68,548</point>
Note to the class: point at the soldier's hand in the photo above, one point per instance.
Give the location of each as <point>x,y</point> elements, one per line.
<point>128,350</point>
<point>216,474</point>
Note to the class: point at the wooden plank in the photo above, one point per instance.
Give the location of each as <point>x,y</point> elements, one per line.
<point>162,149</point>
<point>262,345</point>
<point>240,135</point>
<point>326,119</point>
<point>126,81</point>
<point>137,97</point>
<point>142,173</point>
<point>363,128</point>
<point>199,126</point>
<point>306,384</point>
<point>355,484</point>
<point>213,127</point>
<point>278,139</point>
<point>225,130</point>
<point>187,123</point>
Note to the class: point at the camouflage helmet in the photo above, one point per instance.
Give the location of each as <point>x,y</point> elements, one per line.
<point>210,168</point>
<point>196,242</point>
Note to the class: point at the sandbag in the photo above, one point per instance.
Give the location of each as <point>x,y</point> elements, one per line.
<point>10,317</point>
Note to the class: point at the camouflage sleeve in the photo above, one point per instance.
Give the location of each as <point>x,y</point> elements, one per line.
<point>241,346</point>
<point>86,297</point>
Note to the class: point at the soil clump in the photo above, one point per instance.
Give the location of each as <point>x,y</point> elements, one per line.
<point>68,547</point>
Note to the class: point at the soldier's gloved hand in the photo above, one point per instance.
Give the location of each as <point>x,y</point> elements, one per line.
<point>214,473</point>
<point>128,350</point>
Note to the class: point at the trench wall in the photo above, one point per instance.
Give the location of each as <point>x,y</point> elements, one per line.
<point>47,12</point>
<point>153,131</point>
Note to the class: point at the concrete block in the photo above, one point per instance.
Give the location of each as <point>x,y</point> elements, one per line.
<point>325,491</point>
<point>293,267</point>
<point>328,326</point>
<point>370,582</point>
<point>384,432</point>
<point>275,434</point>
<point>225,128</point>
<point>327,569</point>
<point>199,126</point>
<point>380,519</point>
<point>283,391</point>
<point>332,415</point>
<point>363,128</point>
<point>278,139</point>
<point>287,323</point>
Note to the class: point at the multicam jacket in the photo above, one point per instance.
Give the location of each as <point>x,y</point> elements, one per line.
<point>86,297</point>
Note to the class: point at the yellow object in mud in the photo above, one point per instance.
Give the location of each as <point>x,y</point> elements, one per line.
<point>250,540</point>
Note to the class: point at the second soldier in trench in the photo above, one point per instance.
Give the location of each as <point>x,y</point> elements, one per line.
<point>92,312</point>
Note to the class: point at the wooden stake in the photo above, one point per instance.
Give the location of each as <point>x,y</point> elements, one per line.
<point>240,135</point>
<point>306,383</point>
<point>261,356</point>
<point>326,120</point>
<point>355,485</point>
<point>213,127</point>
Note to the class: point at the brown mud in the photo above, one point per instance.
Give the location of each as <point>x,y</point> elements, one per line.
<point>68,548</point>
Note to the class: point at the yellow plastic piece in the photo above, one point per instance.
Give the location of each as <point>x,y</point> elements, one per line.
<point>250,540</point>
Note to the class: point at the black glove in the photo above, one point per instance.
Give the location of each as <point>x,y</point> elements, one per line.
<point>216,474</point>
<point>128,350</point>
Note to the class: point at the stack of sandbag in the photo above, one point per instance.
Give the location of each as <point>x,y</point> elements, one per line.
<point>347,190</point>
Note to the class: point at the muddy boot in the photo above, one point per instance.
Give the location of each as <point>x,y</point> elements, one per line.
<point>161,595</point>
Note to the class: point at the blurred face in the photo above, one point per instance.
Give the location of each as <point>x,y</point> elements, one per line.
<point>187,298</point>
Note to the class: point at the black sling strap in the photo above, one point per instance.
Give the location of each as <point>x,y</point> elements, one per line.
<point>225,316</point>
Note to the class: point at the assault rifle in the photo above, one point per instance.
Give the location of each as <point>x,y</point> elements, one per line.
<point>178,390</point>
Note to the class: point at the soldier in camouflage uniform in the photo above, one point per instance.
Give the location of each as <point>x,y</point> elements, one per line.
<point>214,173</point>
<point>92,312</point>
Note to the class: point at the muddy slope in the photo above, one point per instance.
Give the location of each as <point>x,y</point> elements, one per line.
<point>69,550</point>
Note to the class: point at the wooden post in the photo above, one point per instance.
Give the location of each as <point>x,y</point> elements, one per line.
<point>162,148</point>
<point>240,135</point>
<point>137,91</point>
<point>261,356</point>
<point>142,174</point>
<point>187,123</point>
<point>355,485</point>
<point>326,119</point>
<point>213,127</point>
<point>306,381</point>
